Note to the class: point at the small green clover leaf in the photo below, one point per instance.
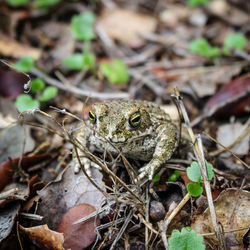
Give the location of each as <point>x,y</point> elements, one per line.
<point>194,189</point>
<point>79,61</point>
<point>37,85</point>
<point>196,3</point>
<point>210,172</point>
<point>194,172</point>
<point>25,64</point>
<point>187,239</point>
<point>74,62</point>
<point>48,94</point>
<point>82,26</point>
<point>156,178</point>
<point>17,3</point>
<point>25,101</point>
<point>116,72</point>
<point>202,47</point>
<point>174,176</point>
<point>46,3</point>
<point>235,41</point>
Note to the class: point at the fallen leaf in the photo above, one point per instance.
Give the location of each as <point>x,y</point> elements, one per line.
<point>232,99</point>
<point>126,26</point>
<point>12,140</point>
<point>68,190</point>
<point>228,12</point>
<point>44,237</point>
<point>228,133</point>
<point>78,236</point>
<point>10,47</point>
<point>232,210</point>
<point>7,168</point>
<point>8,216</point>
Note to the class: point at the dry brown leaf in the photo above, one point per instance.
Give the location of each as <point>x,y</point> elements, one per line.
<point>126,26</point>
<point>228,133</point>
<point>10,47</point>
<point>232,210</point>
<point>44,237</point>
<point>68,190</point>
<point>78,236</point>
<point>228,12</point>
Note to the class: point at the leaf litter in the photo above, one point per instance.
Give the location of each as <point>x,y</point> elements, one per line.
<point>153,39</point>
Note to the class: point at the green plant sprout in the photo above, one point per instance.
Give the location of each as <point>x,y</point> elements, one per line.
<point>234,41</point>
<point>187,239</point>
<point>38,88</point>
<point>201,46</point>
<point>116,72</point>
<point>194,174</point>
<point>174,176</point>
<point>25,64</point>
<point>82,29</point>
<point>196,3</point>
<point>39,3</point>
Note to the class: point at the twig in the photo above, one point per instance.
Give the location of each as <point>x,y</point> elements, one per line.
<point>124,226</point>
<point>202,164</point>
<point>77,91</point>
<point>163,225</point>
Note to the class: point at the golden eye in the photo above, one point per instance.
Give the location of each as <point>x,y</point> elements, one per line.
<point>92,116</point>
<point>135,120</point>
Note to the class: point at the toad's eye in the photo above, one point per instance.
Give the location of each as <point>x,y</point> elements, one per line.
<point>92,116</point>
<point>135,120</point>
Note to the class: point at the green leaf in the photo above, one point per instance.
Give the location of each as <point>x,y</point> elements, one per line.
<point>17,3</point>
<point>194,172</point>
<point>210,171</point>
<point>25,64</point>
<point>89,60</point>
<point>194,189</point>
<point>234,41</point>
<point>37,85</point>
<point>25,101</point>
<point>156,178</point>
<point>187,239</point>
<point>202,47</point>
<point>116,72</point>
<point>82,26</point>
<point>74,62</point>
<point>196,3</point>
<point>48,94</point>
<point>79,61</point>
<point>46,3</point>
<point>174,176</point>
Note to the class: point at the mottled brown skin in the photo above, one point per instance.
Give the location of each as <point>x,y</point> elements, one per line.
<point>153,140</point>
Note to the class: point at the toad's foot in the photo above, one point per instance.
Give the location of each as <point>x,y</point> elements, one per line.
<point>87,164</point>
<point>148,170</point>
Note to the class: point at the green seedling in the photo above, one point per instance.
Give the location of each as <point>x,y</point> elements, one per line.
<point>44,94</point>
<point>194,174</point>
<point>196,3</point>
<point>82,26</point>
<point>202,47</point>
<point>79,61</point>
<point>187,239</point>
<point>44,4</point>
<point>16,3</point>
<point>174,176</point>
<point>234,41</point>
<point>25,64</point>
<point>116,72</point>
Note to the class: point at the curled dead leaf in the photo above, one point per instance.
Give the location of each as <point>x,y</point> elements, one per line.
<point>78,236</point>
<point>44,237</point>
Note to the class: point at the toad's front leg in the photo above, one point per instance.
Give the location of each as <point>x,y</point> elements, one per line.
<point>164,149</point>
